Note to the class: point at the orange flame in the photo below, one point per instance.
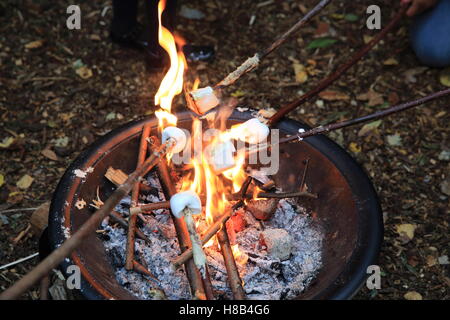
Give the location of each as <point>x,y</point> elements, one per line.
<point>172,83</point>
<point>240,256</point>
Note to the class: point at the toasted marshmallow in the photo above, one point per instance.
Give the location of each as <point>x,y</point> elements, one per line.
<point>204,99</point>
<point>176,134</point>
<point>183,200</point>
<point>253,131</point>
<point>221,156</point>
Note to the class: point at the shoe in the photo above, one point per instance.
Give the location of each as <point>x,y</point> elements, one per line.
<point>198,53</point>
<point>156,59</point>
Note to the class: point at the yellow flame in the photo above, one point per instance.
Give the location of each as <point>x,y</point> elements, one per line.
<point>172,83</point>
<point>240,256</point>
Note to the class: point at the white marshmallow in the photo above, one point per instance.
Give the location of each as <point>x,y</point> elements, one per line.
<point>183,200</point>
<point>178,135</point>
<point>253,131</point>
<point>204,99</point>
<point>221,156</point>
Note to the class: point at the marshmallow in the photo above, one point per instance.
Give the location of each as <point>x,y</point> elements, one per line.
<point>183,200</point>
<point>204,99</point>
<point>253,131</point>
<point>176,134</point>
<point>220,156</point>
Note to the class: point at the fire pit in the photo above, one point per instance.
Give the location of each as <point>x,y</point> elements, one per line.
<point>347,208</point>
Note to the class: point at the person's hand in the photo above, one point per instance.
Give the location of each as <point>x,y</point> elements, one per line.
<point>418,6</point>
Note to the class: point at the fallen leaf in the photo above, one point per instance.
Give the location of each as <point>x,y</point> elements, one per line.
<point>238,93</point>
<point>390,62</point>
<point>413,295</point>
<point>7,142</point>
<point>410,75</point>
<point>321,43</point>
<point>2,179</point>
<point>394,140</point>
<point>407,230</point>
<point>444,77</point>
<point>393,98</point>
<point>373,98</point>
<point>333,95</point>
<point>337,16</point>
<point>354,147</point>
<point>431,261</point>
<point>24,182</point>
<point>322,28</point>
<point>95,37</point>
<point>351,17</point>
<point>34,44</point>
<point>84,72</point>
<point>367,38</point>
<point>50,154</point>
<point>300,73</point>
<point>367,128</point>
<point>62,142</point>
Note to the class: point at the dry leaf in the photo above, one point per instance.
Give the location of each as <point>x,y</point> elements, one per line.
<point>390,62</point>
<point>393,98</point>
<point>354,147</point>
<point>367,128</point>
<point>444,77</point>
<point>7,142</point>
<point>333,95</point>
<point>2,179</point>
<point>34,44</point>
<point>50,154</point>
<point>367,39</point>
<point>413,295</point>
<point>84,72</point>
<point>300,73</point>
<point>407,230</point>
<point>410,75</point>
<point>24,182</point>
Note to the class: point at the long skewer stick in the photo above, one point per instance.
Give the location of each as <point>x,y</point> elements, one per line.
<point>340,71</point>
<point>253,62</point>
<point>76,239</point>
<point>351,122</point>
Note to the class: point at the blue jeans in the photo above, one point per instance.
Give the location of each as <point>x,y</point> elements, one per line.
<point>430,35</point>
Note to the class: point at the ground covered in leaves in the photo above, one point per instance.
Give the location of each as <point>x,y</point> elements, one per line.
<point>60,90</point>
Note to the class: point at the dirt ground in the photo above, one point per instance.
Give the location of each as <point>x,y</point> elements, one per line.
<point>61,89</point>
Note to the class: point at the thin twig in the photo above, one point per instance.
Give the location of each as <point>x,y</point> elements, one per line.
<point>17,210</point>
<point>31,256</point>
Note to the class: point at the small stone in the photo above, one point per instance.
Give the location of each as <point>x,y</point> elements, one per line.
<point>278,243</point>
<point>445,186</point>
<point>443,260</point>
<point>263,209</point>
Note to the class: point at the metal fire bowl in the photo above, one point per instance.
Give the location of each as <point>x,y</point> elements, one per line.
<point>347,207</point>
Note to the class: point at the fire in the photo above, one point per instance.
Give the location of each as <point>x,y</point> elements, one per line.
<point>204,181</point>
<point>240,256</point>
<point>172,83</point>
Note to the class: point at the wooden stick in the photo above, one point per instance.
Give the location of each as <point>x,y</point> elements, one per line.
<point>195,279</point>
<point>134,199</point>
<point>211,232</point>
<point>77,238</point>
<point>270,195</point>
<point>230,264</point>
<point>118,218</point>
<point>340,71</point>
<point>251,63</point>
<point>371,117</point>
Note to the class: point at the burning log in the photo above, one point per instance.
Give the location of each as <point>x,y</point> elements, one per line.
<point>77,238</point>
<point>185,204</point>
<point>341,70</point>
<point>273,195</point>
<point>204,99</point>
